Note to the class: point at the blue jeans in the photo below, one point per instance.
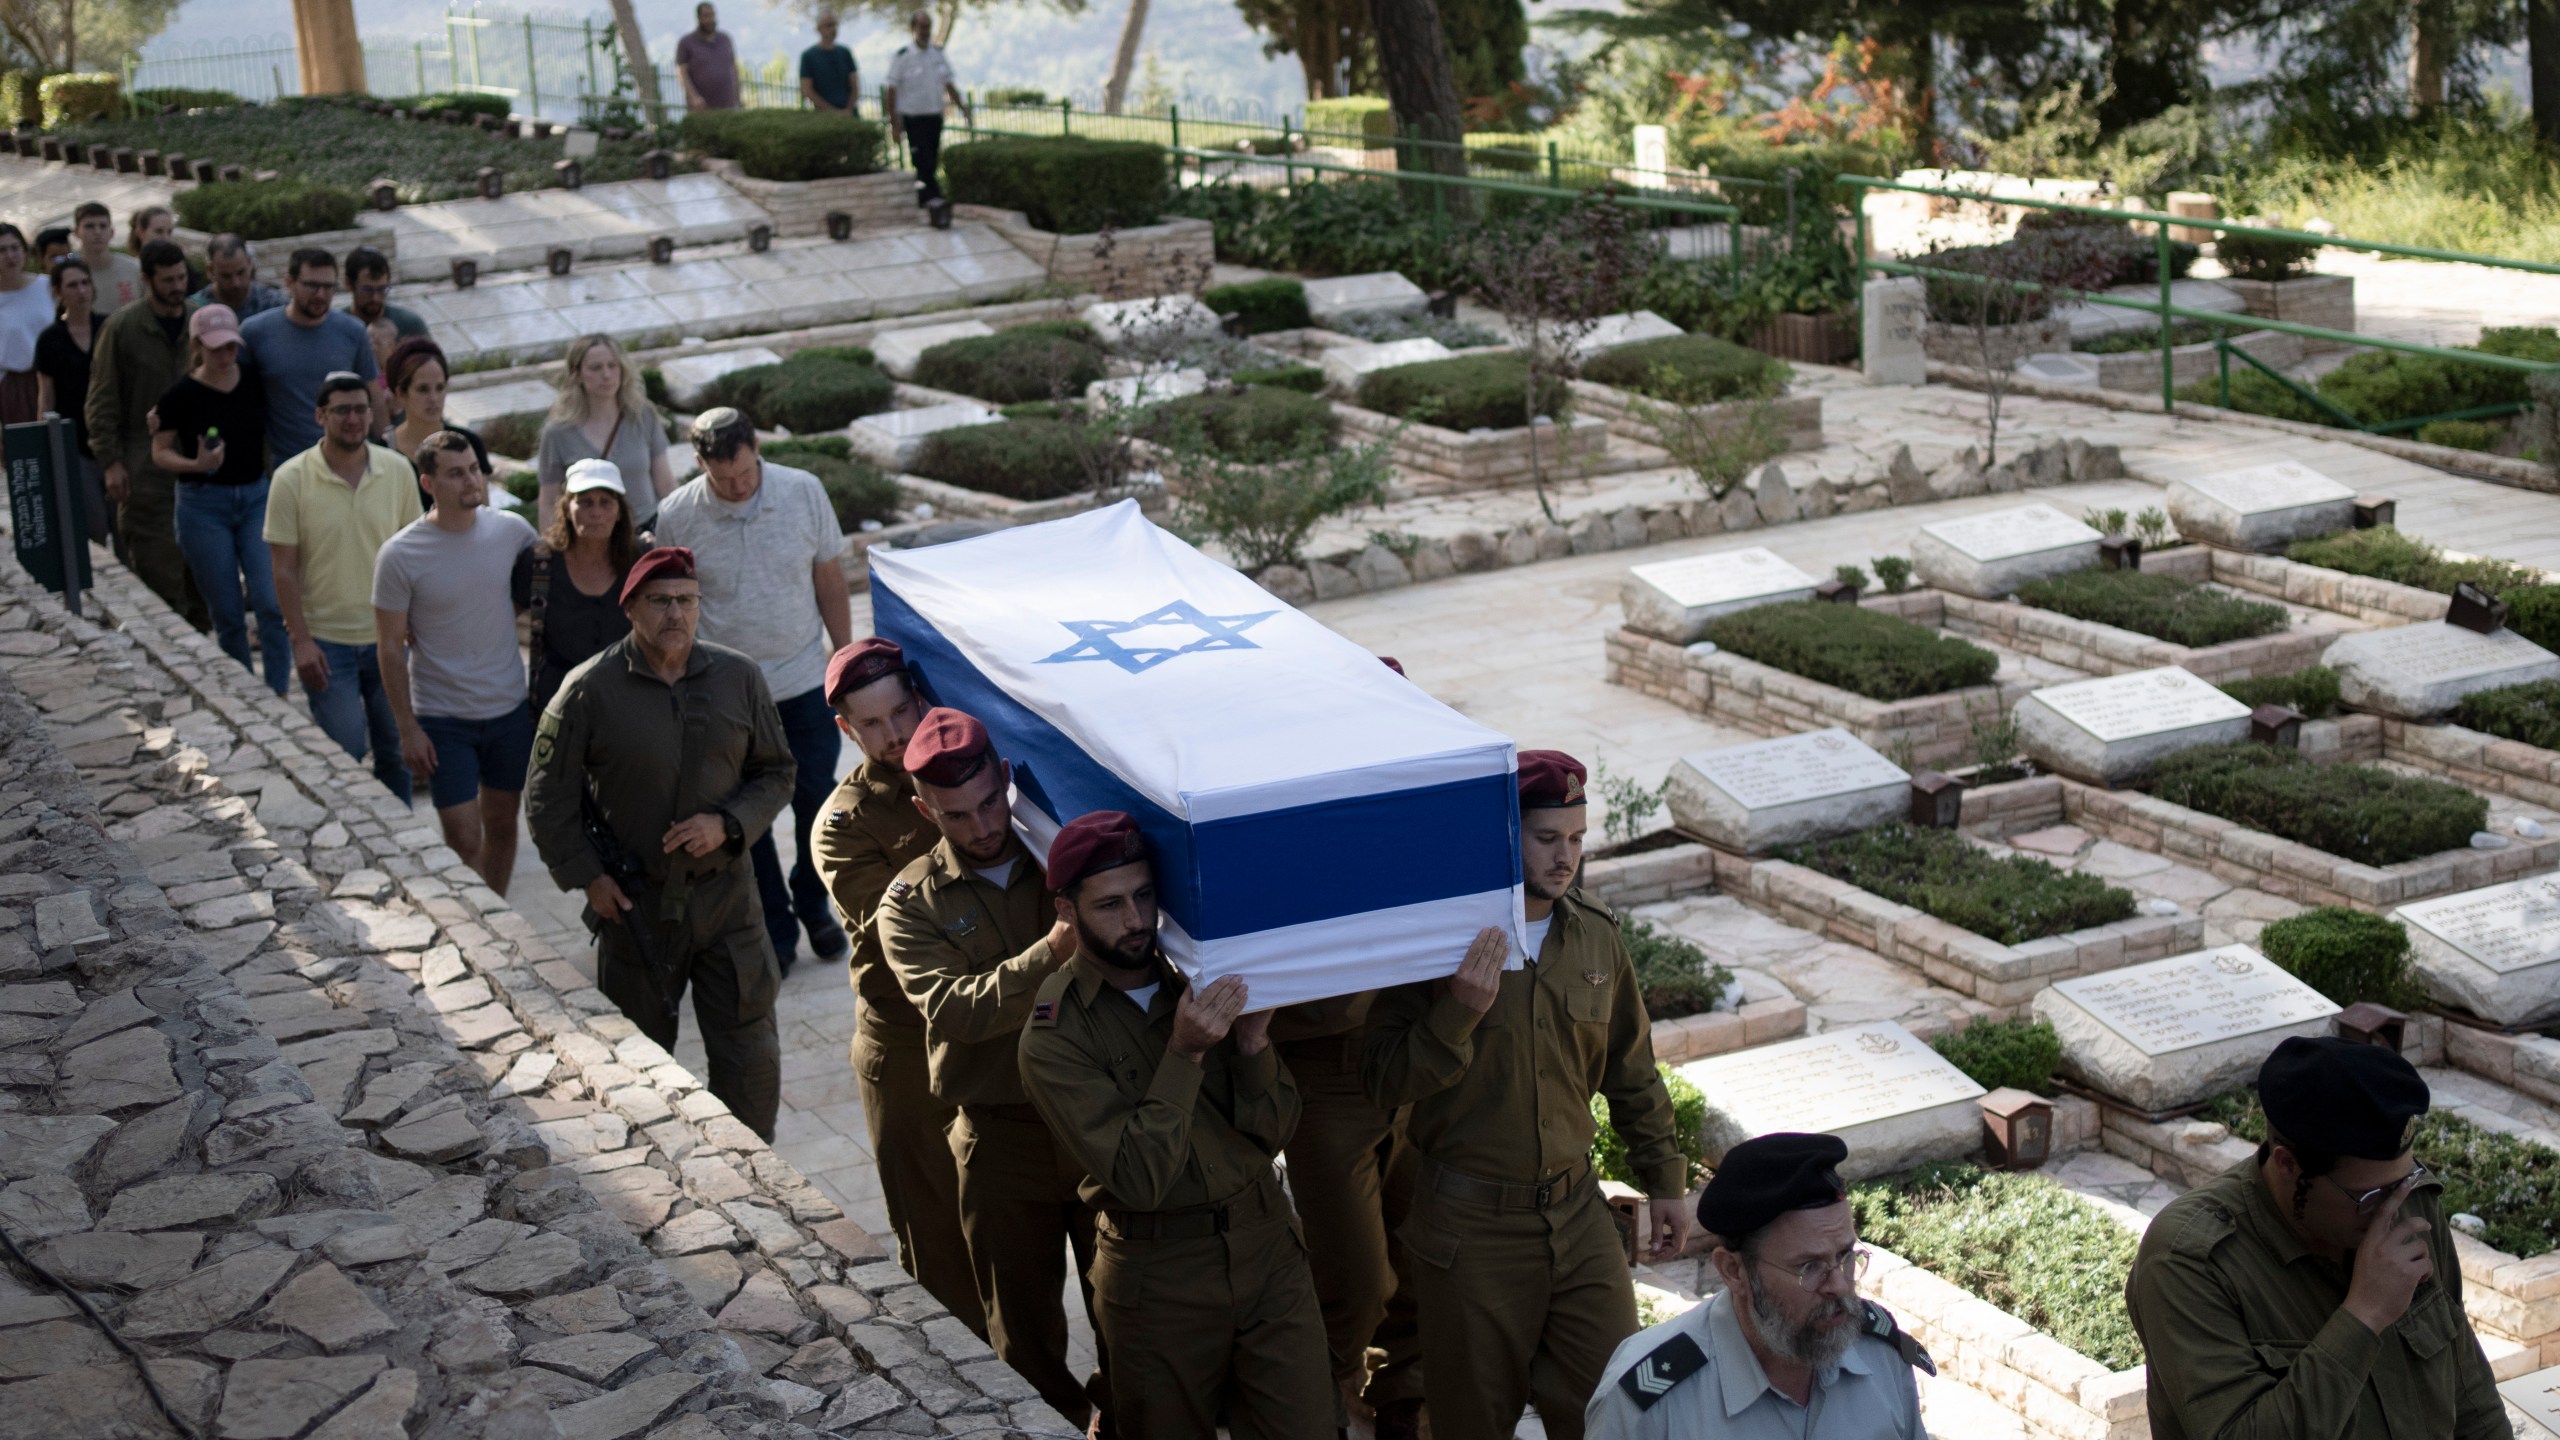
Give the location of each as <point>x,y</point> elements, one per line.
<point>354,711</point>
<point>809,725</point>
<point>221,531</point>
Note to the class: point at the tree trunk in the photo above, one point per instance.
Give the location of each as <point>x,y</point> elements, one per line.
<point>70,35</point>
<point>635,54</point>
<point>325,43</point>
<point>1126,58</point>
<point>2542,64</point>
<point>1422,88</point>
<point>2426,60</point>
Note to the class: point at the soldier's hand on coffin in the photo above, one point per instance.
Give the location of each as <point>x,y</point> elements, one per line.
<point>1478,978</point>
<point>697,836</point>
<point>1202,1017</point>
<point>606,898</point>
<point>1252,1032</point>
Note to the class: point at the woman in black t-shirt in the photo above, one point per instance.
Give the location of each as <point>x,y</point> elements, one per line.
<point>211,433</point>
<point>62,381</point>
<point>586,550</point>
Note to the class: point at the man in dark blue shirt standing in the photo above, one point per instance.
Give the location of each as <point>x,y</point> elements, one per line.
<point>828,79</point>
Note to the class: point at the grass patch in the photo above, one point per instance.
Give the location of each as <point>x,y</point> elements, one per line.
<point>2008,898</point>
<point>854,486</point>
<point>2347,955</point>
<point>1675,976</point>
<point>2163,607</point>
<point>1689,1117</point>
<point>2312,690</point>
<point>1010,367</point>
<point>2512,1185</point>
<point>2359,812</point>
<point>2384,553</point>
<point>1866,652</point>
<point>1469,392</point>
<point>1264,305</point>
<point>2017,1054</point>
<point>2383,387</point>
<point>2527,714</point>
<point>2021,1242</point>
<point>1689,370</point>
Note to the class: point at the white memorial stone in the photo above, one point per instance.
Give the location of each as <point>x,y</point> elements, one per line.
<point>1894,1101</point>
<point>2537,1398</point>
<point>2110,730</point>
<point>578,144</point>
<point>891,438</point>
<point>1346,297</point>
<point>2495,952</point>
<point>1889,325</point>
<point>1755,798</point>
<point>689,376</point>
<point>1990,555</point>
<point>1612,331</point>
<point>2420,672</point>
<point>1345,364</point>
<point>475,408</point>
<point>898,350</point>
<point>2060,367</point>
<point>2179,1030</point>
<point>1158,319</point>
<point>1674,599</point>
<point>2262,508</point>
<point>1127,391</point>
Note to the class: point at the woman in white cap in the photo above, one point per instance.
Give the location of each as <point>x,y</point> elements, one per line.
<point>210,431</point>
<point>571,582</point>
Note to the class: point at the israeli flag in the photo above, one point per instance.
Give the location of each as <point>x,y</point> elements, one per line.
<point>1320,825</point>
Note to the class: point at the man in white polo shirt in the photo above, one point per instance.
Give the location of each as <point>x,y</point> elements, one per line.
<point>919,80</point>
<point>765,544</point>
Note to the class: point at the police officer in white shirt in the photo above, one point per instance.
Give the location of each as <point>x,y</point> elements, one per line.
<point>919,79</point>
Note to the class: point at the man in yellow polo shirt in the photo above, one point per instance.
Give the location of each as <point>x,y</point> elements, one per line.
<point>328,511</point>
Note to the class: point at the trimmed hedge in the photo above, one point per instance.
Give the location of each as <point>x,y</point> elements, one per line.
<point>2312,690</point>
<point>2385,553</point>
<point>469,102</point>
<point>2528,714</point>
<point>2019,1054</point>
<point>2020,1241</point>
<point>1010,367</point>
<point>2164,607</point>
<point>177,98</point>
<point>2008,898</point>
<point>70,99</point>
<point>1688,370</point>
<point>266,209</point>
<point>1870,653</point>
<point>1689,1129</point>
<point>20,99</point>
<point>517,434</point>
<point>1306,379</point>
<point>2534,613</point>
<point>1467,392</point>
<point>1368,116</point>
<point>855,487</point>
<point>2513,1185</point>
<point>788,144</point>
<point>2249,258</point>
<point>1073,187</point>
<point>2347,955</point>
<point>1264,305</point>
<point>1675,977</point>
<point>1026,459</point>
<point>1259,421</point>
<point>2379,387</point>
<point>813,390</point>
<point>2358,812</point>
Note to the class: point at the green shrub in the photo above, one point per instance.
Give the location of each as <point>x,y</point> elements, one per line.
<point>1380,328</point>
<point>1688,370</point>
<point>2250,258</point>
<point>1498,153</point>
<point>1261,510</point>
<point>2347,955</point>
<point>2513,1185</point>
<point>21,97</point>
<point>517,435</point>
<point>1074,187</point>
<point>1009,367</point>
<point>2254,393</point>
<point>1894,573</point>
<point>1014,95</point>
<point>69,99</point>
<point>1334,120</point>
<point>2463,434</point>
<point>1265,305</point>
<point>1249,424</point>
<point>1675,977</point>
<point>653,384</point>
<point>1880,656</point>
<point>2527,714</point>
<point>2360,812</point>
<point>1689,1122</point>
<point>855,487</point>
<point>266,209</point>
<point>2008,898</point>
<point>177,99</point>
<point>2019,1054</point>
<point>524,485</point>
<point>1817,164</point>
<point>2384,553</point>
<point>2312,690</point>
<point>787,144</point>
<point>1019,459</point>
<point>469,102</point>
<point>812,390</point>
<point>1468,392</point>
<point>2533,611</point>
<point>2126,342</point>
<point>2020,1241</point>
<point>2164,607</point>
<point>1306,379</point>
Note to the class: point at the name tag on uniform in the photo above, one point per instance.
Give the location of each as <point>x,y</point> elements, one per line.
<point>965,925</point>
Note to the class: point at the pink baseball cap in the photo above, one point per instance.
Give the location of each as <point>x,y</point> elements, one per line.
<point>214,325</point>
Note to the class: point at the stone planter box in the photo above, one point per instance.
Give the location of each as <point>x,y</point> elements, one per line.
<point>1957,344</point>
<point>2139,370</point>
<point>799,207</point>
<point>1141,260</point>
<point>1434,461</point>
<point>2328,301</point>
<point>2381,602</point>
<point>1650,877</point>
<point>2060,1393</point>
<point>2099,649</point>
<point>2469,758</point>
<point>1797,417</point>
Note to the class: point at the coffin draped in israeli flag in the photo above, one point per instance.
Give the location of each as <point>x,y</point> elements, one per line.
<point>1320,825</point>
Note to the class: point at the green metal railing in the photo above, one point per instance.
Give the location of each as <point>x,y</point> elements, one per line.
<point>2171,312</point>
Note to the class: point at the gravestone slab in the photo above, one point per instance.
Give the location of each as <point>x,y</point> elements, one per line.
<point>1889,325</point>
<point>898,350</point>
<point>1990,555</point>
<point>1128,391</point>
<point>2110,730</point>
<point>2420,672</point>
<point>2060,367</point>
<point>2176,1031</point>
<point>1754,798</point>
<point>516,397</point>
<point>1345,364</point>
<point>2495,952</point>
<point>1345,297</point>
<point>1612,331</point>
<point>1674,599</point>
<point>891,438</point>
<point>1156,320</point>
<point>2537,1396</point>
<point>2262,507</point>
<point>687,377</point>
<point>1895,1101</point>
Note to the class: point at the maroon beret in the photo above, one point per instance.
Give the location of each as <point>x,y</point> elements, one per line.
<point>948,747</point>
<point>1549,779</point>
<point>860,663</point>
<point>1391,663</point>
<point>1095,840</point>
<point>667,562</point>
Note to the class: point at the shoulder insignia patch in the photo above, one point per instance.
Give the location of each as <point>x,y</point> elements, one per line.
<point>840,819</point>
<point>1662,1369</point>
<point>1044,1013</point>
<point>1881,1324</point>
<point>900,889</point>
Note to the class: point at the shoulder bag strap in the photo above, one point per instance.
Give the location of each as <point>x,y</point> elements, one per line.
<point>541,602</point>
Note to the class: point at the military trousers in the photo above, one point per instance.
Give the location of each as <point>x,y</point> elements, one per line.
<point>1518,1303</point>
<point>919,1180</point>
<point>1021,1213</point>
<point>716,948</point>
<point>1208,1314</point>
<point>1338,1172</point>
<point>147,522</point>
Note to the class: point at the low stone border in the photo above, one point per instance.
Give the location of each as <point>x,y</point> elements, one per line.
<point>950,501</point>
<point>2140,369</point>
<point>1652,876</point>
<point>800,207</point>
<point>2328,301</point>
<point>2482,762</point>
<point>2060,1393</point>
<point>2382,602</point>
<point>1436,461</point>
<point>1627,414</point>
<point>1137,260</point>
<point>2097,649</point>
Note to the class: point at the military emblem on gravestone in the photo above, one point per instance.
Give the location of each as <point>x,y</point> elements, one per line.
<point>2233,964</point>
<point>1875,1044</point>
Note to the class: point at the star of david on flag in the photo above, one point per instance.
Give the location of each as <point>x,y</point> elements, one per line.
<point>1103,639</point>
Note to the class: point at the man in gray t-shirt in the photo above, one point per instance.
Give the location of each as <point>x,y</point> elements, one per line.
<point>765,546</point>
<point>445,620</point>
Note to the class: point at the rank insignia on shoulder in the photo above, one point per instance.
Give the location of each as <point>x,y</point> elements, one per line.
<point>898,889</point>
<point>1044,1012</point>
<point>1881,1324</point>
<point>839,819</point>
<point>1654,1376</point>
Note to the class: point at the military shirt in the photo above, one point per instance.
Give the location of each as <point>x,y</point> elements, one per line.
<point>970,957</point>
<point>1869,1395</point>
<point>1506,1096</point>
<point>1153,1130</point>
<point>2246,1336</point>
<point>869,832</point>
<point>1322,1019</point>
<point>654,754</point>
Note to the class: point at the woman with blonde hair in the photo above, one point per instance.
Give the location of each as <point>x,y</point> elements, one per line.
<point>602,414</point>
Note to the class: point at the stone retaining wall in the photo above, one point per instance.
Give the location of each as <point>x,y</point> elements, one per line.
<point>1430,460</point>
<point>2060,1393</point>
<point>799,207</point>
<point>2140,369</point>
<point>2097,649</point>
<point>1121,264</point>
<point>2467,757</point>
<point>1797,418</point>
<point>2382,602</point>
<point>1653,876</point>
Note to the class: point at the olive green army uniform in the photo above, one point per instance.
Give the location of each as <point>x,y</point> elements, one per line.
<point>1200,1277</point>
<point>869,832</point>
<point>2246,1337</point>
<point>1519,1275</point>
<point>971,957</point>
<point>652,754</point>
<point>132,363</point>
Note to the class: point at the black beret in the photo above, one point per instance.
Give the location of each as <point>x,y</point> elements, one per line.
<point>2342,1098</point>
<point>1768,1175</point>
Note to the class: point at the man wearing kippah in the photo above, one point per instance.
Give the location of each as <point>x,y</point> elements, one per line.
<point>1519,1279</point>
<point>2312,1289</point>
<point>1786,1349</point>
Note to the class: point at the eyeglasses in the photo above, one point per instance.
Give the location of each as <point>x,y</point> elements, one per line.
<point>1851,1266</point>
<point>664,603</point>
<point>2366,1200</point>
<point>340,412</point>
